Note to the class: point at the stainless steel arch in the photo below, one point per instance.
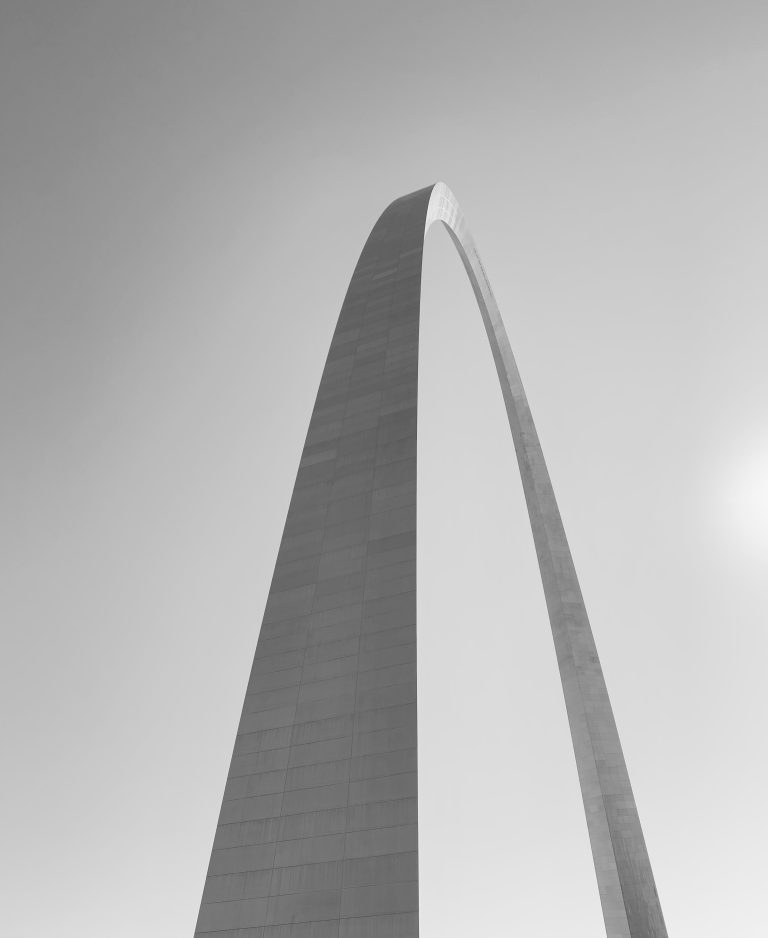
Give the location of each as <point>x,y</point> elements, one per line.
<point>317,833</point>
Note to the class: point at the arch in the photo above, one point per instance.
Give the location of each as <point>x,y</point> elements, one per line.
<point>318,828</point>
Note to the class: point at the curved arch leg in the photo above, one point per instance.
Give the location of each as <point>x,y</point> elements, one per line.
<point>317,834</point>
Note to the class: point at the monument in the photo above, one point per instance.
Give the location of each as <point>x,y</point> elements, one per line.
<point>317,836</point>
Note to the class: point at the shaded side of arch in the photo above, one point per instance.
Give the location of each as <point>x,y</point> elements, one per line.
<point>317,834</point>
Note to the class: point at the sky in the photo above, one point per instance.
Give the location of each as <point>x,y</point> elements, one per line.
<point>185,190</point>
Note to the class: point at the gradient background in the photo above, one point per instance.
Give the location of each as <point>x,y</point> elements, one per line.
<point>185,189</point>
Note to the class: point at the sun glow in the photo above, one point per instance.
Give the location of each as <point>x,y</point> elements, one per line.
<point>744,499</point>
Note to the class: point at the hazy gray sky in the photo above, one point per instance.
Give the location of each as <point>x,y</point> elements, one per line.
<point>185,190</point>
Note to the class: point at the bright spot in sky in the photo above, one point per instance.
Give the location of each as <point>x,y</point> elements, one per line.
<point>744,499</point>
